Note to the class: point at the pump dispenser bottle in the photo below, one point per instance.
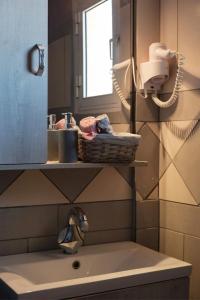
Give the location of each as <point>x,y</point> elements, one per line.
<point>52,139</point>
<point>68,141</point>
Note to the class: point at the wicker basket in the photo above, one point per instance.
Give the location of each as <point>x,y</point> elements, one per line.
<point>104,152</point>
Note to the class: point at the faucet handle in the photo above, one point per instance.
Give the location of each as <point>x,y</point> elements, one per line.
<point>81,218</point>
<point>71,247</point>
<point>65,235</point>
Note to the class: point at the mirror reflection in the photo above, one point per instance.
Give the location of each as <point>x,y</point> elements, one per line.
<point>87,38</point>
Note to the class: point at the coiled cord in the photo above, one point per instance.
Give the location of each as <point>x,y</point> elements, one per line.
<point>177,87</point>
<point>118,88</point>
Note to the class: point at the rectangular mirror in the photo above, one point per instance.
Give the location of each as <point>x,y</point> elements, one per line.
<point>86,39</point>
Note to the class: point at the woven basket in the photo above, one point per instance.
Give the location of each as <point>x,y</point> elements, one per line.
<point>104,152</point>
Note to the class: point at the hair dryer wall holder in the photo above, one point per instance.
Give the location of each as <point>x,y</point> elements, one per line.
<point>155,72</point>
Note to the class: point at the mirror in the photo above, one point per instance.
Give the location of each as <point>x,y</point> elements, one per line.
<point>86,39</point>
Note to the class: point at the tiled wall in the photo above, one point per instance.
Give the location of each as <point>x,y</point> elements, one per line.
<point>180,143</point>
<point>34,206</point>
<point>147,117</point>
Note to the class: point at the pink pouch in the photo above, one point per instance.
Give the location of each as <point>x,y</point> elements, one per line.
<point>88,128</point>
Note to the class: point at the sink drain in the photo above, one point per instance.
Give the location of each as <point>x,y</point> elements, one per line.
<point>76,264</point>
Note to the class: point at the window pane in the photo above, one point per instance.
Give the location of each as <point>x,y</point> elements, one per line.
<point>97,33</point>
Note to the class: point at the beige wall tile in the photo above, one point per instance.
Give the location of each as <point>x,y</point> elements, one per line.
<point>187,107</point>
<point>71,182</point>
<point>139,126</point>
<point>169,23</point>
<point>147,214</point>
<point>180,217</point>
<point>164,160</point>
<point>188,41</point>
<point>24,222</point>
<point>146,110</point>
<point>169,35</point>
<point>103,215</point>
<point>42,243</point>
<point>171,243</point>
<point>121,127</point>
<point>127,174</point>
<point>31,188</point>
<point>188,164</point>
<point>173,188</point>
<point>155,194</point>
<point>108,185</point>
<point>148,237</point>
<point>108,236</point>
<point>121,117</point>
<point>147,32</point>
<point>147,177</point>
<point>7,178</point>
<point>191,255</point>
<point>174,134</point>
<point>13,247</point>
<point>148,27</point>
<point>155,127</point>
<point>138,196</point>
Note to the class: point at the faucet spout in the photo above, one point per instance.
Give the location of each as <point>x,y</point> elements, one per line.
<point>72,236</point>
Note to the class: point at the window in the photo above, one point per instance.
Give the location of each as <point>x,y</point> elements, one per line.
<point>101,40</point>
<point>97,52</point>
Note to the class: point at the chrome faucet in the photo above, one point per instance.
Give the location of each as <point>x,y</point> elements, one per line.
<point>72,237</point>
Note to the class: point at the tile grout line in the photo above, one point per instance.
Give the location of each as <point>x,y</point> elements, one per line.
<point>84,188</point>
<point>12,181</point>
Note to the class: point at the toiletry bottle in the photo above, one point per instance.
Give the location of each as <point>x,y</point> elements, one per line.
<point>68,141</point>
<point>52,139</point>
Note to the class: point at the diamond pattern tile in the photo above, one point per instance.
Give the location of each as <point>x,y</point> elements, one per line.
<point>155,194</point>
<point>138,197</point>
<point>108,185</point>
<point>147,177</point>
<point>146,110</point>
<point>7,178</point>
<point>189,26</point>
<point>187,108</point>
<point>155,127</point>
<point>174,134</point>
<point>139,126</point>
<point>71,182</point>
<point>121,127</point>
<point>187,163</point>
<point>127,174</point>
<point>164,160</point>
<point>173,188</point>
<point>31,188</point>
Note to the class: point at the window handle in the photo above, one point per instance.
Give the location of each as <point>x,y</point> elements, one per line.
<point>114,42</point>
<point>111,41</point>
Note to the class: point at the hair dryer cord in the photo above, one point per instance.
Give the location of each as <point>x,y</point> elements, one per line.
<point>177,87</point>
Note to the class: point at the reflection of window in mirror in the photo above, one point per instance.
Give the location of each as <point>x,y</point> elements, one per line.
<point>86,38</point>
<point>97,49</point>
<point>101,39</point>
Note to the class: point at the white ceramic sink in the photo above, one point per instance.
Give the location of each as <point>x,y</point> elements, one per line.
<point>52,275</point>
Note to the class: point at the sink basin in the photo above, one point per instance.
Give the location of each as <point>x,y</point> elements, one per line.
<point>54,275</point>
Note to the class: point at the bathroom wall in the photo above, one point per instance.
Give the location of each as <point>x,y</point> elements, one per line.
<point>147,117</point>
<point>34,206</point>
<point>179,190</point>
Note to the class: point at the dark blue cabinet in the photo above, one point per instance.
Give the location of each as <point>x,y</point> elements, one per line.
<point>23,81</point>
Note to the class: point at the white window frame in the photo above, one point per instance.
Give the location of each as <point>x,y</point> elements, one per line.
<point>97,104</point>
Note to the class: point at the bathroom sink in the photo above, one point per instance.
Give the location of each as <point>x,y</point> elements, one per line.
<point>55,275</point>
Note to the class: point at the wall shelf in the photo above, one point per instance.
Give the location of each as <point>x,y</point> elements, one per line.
<point>77,165</point>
